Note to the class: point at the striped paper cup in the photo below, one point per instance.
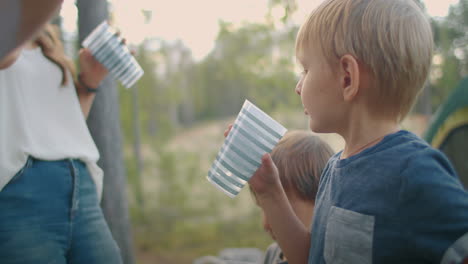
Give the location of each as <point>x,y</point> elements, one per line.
<point>253,134</point>
<point>108,48</point>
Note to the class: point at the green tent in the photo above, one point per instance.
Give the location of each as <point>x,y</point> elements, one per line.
<point>448,130</point>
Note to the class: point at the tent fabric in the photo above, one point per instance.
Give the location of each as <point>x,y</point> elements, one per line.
<point>449,130</point>
<point>456,101</point>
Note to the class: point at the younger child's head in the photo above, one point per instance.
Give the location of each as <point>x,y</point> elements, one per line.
<point>390,42</point>
<point>300,158</point>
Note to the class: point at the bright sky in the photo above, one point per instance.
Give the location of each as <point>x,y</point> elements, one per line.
<point>196,22</point>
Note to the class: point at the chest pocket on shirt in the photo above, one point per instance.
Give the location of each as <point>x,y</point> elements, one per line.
<point>348,237</point>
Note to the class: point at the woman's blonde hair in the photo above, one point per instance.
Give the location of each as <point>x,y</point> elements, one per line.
<point>52,48</point>
<point>391,38</point>
<point>300,158</point>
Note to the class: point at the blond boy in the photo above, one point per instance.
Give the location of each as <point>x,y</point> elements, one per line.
<point>388,197</point>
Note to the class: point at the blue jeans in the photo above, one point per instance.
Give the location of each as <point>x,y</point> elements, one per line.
<point>49,213</point>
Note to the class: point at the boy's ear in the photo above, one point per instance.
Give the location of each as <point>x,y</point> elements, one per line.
<point>350,77</point>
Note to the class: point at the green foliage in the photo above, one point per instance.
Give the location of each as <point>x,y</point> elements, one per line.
<point>451,38</point>
<point>290,6</point>
<point>185,220</point>
<point>254,61</point>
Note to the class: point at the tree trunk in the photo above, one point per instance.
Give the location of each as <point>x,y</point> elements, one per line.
<point>137,151</point>
<point>104,124</point>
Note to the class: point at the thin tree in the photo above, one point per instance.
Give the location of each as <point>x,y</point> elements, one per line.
<point>104,124</point>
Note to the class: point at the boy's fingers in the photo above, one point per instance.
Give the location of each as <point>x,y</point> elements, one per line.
<point>267,162</point>
<point>226,132</point>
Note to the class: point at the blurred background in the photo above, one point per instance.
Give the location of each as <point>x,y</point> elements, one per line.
<point>202,59</point>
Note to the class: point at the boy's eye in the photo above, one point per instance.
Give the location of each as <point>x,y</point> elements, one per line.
<point>304,72</point>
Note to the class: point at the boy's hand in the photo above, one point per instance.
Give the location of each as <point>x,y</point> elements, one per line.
<point>265,182</point>
<point>228,129</point>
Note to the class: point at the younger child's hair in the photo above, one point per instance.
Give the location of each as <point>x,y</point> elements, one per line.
<point>392,39</point>
<point>300,158</point>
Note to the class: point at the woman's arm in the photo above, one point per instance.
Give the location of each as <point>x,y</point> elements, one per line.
<point>90,78</point>
<point>9,59</point>
<point>86,100</point>
<point>20,20</point>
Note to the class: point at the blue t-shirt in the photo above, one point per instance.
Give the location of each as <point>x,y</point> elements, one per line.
<point>399,201</point>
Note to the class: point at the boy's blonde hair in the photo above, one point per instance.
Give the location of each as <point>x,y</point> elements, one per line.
<point>390,38</point>
<point>300,158</point>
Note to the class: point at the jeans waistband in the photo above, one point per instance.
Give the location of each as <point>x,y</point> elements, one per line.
<point>31,160</point>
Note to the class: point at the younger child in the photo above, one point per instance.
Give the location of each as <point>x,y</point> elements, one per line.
<point>300,157</point>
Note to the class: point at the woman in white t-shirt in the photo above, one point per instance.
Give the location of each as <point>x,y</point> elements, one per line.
<point>50,185</point>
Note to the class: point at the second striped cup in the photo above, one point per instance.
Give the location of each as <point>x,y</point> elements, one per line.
<point>253,134</point>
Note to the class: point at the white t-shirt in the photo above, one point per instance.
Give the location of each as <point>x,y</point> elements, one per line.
<point>41,118</point>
